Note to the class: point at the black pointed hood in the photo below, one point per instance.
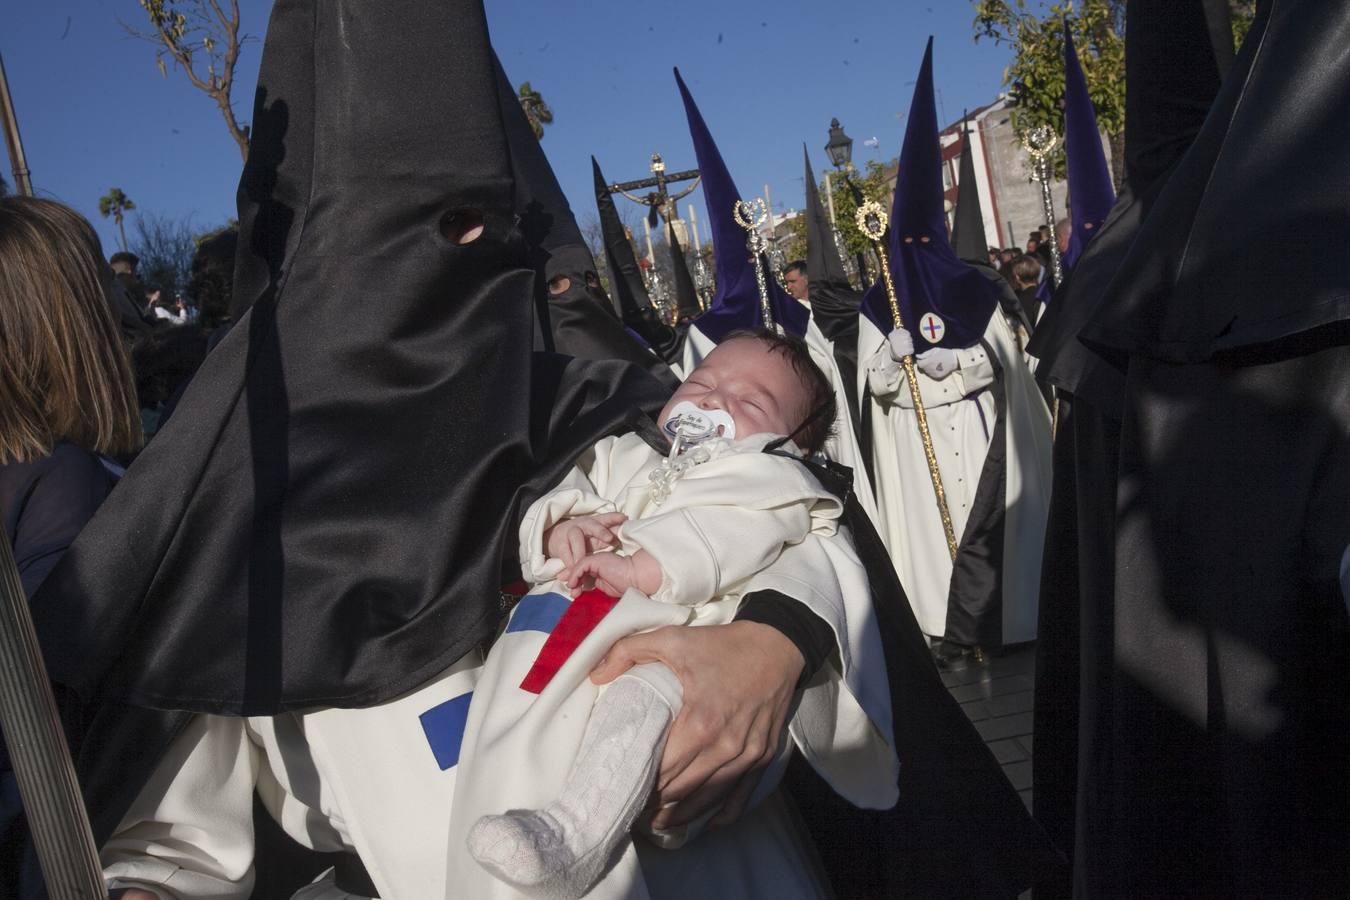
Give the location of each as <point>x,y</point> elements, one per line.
<point>326,510</point>
<point>1243,246</point>
<point>686,295</point>
<point>625,275</point>
<point>546,218</point>
<point>834,301</point>
<point>1172,77</point>
<point>625,279</point>
<point>968,238</point>
<point>578,319</point>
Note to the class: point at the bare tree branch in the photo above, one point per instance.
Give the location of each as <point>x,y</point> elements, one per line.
<point>184,31</point>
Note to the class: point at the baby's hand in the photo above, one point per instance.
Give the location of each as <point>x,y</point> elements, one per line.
<point>612,573</point>
<point>571,539</point>
<point>615,574</point>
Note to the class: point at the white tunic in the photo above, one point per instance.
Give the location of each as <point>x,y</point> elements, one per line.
<point>961,415</point>
<point>365,780</point>
<point>383,782</point>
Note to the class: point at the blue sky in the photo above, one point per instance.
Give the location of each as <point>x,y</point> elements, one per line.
<point>95,112</point>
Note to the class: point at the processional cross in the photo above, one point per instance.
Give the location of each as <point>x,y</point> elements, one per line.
<point>659,199</point>
<point>663,202</point>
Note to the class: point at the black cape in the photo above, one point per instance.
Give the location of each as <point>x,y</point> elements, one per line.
<point>959,828</point>
<point>1173,71</point>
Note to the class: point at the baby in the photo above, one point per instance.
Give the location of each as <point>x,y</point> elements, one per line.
<point>694,527</point>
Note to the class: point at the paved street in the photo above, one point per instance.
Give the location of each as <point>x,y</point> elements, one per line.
<point>997,698</point>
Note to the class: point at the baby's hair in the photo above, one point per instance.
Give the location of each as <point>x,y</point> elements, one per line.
<point>821,408</point>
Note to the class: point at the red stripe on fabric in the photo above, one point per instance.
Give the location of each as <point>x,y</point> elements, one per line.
<point>582,616</point>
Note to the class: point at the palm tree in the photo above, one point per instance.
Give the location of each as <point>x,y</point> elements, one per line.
<point>536,110</point>
<point>115,204</point>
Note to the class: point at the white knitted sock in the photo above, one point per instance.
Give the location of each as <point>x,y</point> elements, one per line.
<point>561,850</point>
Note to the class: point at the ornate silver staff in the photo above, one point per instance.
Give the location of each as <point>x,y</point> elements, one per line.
<point>872,221</point>
<point>750,216</point>
<point>1040,143</point>
<point>702,280</point>
<point>37,748</point>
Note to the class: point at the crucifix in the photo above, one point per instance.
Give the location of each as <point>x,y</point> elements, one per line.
<point>662,201</point>
<point>659,200</point>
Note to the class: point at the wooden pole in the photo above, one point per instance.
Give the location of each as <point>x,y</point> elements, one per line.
<point>41,761</point>
<point>18,163</point>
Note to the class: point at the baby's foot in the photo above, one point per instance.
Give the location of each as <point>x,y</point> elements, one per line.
<point>562,850</point>
<point>525,848</point>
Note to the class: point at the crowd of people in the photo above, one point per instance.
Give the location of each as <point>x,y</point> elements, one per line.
<point>505,586</point>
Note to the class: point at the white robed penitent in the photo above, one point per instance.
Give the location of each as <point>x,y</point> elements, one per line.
<point>963,412</point>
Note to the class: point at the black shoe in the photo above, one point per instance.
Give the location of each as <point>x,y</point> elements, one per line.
<point>952,657</point>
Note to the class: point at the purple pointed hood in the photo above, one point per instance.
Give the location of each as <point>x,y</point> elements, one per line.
<point>1091,192</point>
<point>735,303</point>
<point>928,275</point>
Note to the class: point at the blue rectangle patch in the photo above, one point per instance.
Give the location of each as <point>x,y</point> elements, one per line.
<point>444,728</point>
<point>538,612</point>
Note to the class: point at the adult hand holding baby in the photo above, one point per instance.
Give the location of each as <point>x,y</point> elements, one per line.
<point>738,682</point>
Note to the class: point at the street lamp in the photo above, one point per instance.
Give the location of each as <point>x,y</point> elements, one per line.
<point>840,146</point>
<point>840,150</point>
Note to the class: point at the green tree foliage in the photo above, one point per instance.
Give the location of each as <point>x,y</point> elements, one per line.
<point>1034,29</point>
<point>117,204</point>
<point>200,37</point>
<point>536,110</point>
<point>1242,11</point>
<point>874,185</point>
<point>877,183</point>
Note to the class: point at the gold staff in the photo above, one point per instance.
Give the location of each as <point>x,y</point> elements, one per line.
<point>872,221</point>
<point>750,216</point>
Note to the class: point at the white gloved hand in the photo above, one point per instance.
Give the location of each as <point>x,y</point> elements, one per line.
<point>902,344</point>
<point>938,362</point>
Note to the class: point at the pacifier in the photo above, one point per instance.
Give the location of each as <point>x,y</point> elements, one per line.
<point>691,424</point>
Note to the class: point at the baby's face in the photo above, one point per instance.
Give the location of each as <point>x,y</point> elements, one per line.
<point>754,385</point>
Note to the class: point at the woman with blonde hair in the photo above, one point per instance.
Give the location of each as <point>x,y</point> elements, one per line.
<point>68,411</point>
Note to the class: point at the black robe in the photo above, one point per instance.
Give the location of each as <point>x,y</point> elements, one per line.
<point>1211,725</point>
